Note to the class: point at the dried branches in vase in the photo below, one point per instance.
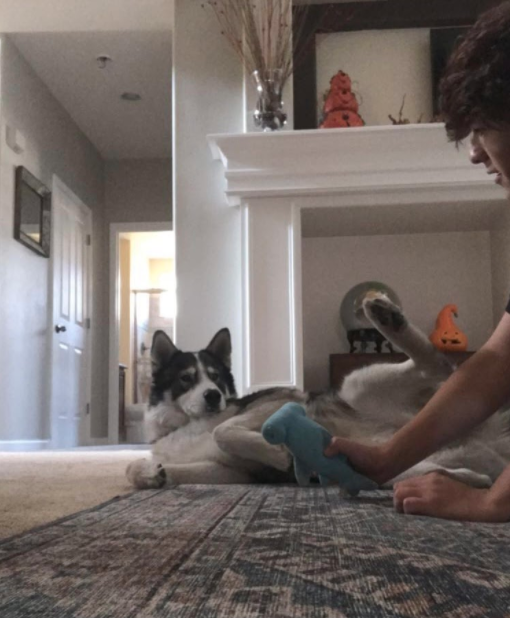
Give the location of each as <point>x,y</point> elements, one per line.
<point>265,34</point>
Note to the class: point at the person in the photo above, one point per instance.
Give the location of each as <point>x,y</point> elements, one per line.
<point>475,100</point>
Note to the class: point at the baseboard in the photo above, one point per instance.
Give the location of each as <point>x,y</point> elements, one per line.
<point>20,446</point>
<point>97,442</point>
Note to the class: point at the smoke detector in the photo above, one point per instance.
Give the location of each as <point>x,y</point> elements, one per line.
<point>103,61</point>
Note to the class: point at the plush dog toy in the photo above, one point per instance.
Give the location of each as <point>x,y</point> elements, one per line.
<point>306,440</point>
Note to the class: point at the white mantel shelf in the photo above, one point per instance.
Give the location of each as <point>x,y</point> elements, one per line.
<point>274,177</point>
<point>365,165</point>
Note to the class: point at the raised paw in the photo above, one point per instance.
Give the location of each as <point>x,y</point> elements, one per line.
<point>383,313</point>
<point>146,474</point>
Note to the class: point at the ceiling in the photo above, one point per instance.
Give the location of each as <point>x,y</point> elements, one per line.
<point>141,62</point>
<point>85,15</point>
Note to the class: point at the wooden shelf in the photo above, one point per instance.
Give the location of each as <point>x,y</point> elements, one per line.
<point>341,365</point>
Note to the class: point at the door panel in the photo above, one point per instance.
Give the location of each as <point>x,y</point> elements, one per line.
<point>71,296</point>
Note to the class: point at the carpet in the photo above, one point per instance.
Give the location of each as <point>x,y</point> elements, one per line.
<point>40,487</point>
<point>252,551</point>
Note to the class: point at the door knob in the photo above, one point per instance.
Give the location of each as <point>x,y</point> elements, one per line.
<point>60,329</point>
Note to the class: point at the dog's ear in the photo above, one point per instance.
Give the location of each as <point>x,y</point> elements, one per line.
<point>162,350</point>
<point>221,346</point>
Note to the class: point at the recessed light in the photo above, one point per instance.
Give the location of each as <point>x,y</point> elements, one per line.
<point>130,96</point>
<point>103,61</point>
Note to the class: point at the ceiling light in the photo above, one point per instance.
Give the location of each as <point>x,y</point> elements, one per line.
<point>130,96</point>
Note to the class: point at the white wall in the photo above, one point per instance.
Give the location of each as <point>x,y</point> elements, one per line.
<point>384,65</point>
<point>500,253</point>
<point>208,98</point>
<point>138,190</point>
<point>427,271</point>
<point>54,146</point>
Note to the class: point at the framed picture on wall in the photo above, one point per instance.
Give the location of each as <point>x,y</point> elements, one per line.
<point>32,212</point>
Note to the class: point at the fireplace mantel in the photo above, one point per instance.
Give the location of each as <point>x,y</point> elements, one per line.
<point>365,165</point>
<point>274,177</point>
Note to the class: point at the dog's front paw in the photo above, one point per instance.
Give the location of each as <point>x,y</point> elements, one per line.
<point>382,312</point>
<point>280,458</point>
<point>145,474</point>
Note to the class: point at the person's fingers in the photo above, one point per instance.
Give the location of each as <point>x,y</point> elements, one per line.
<point>403,491</point>
<point>337,446</point>
<point>415,506</point>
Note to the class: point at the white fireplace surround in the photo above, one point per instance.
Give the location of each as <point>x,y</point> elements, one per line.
<point>273,177</point>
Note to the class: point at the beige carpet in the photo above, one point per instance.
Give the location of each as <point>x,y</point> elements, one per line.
<point>37,488</point>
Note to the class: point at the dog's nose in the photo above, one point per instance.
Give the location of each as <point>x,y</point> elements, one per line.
<point>212,398</point>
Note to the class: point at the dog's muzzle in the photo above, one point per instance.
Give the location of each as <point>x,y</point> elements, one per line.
<point>213,399</point>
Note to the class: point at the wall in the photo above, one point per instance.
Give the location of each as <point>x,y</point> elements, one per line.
<point>138,190</point>
<point>384,65</point>
<point>427,271</point>
<point>208,98</point>
<point>54,146</point>
<point>500,252</point>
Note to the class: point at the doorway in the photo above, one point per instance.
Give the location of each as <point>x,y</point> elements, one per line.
<point>143,301</point>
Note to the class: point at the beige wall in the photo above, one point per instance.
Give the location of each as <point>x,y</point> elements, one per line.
<point>159,267</point>
<point>208,98</point>
<point>138,190</point>
<point>384,65</point>
<point>54,145</point>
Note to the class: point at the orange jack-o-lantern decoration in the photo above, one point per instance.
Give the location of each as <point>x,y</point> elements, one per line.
<point>340,105</point>
<point>340,81</point>
<point>447,336</point>
<point>340,118</point>
<point>344,100</point>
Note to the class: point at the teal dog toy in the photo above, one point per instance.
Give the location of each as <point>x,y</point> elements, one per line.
<point>307,440</point>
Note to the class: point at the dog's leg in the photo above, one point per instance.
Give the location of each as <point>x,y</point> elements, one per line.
<point>392,323</point>
<point>148,474</point>
<point>464,475</point>
<point>240,437</point>
<point>204,473</point>
<point>145,474</point>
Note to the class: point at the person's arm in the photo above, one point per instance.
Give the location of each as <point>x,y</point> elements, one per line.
<point>473,393</point>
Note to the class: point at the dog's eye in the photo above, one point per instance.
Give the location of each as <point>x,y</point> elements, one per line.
<point>214,375</point>
<point>186,378</point>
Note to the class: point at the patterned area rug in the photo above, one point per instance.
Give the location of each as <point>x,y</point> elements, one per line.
<point>246,552</point>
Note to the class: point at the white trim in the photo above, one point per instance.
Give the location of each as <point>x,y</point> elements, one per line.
<point>114,316</point>
<point>85,429</point>
<point>363,165</point>
<point>21,446</point>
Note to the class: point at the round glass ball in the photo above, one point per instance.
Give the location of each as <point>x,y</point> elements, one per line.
<point>351,309</point>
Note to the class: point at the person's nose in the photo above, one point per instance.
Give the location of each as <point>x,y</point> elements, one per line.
<point>477,153</point>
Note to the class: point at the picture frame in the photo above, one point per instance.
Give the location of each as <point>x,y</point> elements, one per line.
<point>32,212</point>
<point>370,15</point>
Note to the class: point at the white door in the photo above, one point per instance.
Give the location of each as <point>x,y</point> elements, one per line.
<point>71,259</point>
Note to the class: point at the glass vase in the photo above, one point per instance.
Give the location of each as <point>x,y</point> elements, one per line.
<point>269,114</point>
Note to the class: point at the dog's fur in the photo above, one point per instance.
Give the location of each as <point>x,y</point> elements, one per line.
<point>202,434</point>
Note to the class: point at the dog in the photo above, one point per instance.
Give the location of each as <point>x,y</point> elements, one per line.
<point>202,433</point>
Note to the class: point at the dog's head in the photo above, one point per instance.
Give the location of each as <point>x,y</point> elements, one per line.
<point>199,384</point>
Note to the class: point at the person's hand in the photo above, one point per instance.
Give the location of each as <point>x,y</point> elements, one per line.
<point>438,495</point>
<point>368,460</point>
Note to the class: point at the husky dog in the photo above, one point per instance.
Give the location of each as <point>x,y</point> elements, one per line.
<point>202,434</point>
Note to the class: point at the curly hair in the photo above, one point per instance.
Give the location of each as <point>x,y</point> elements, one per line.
<point>475,88</point>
